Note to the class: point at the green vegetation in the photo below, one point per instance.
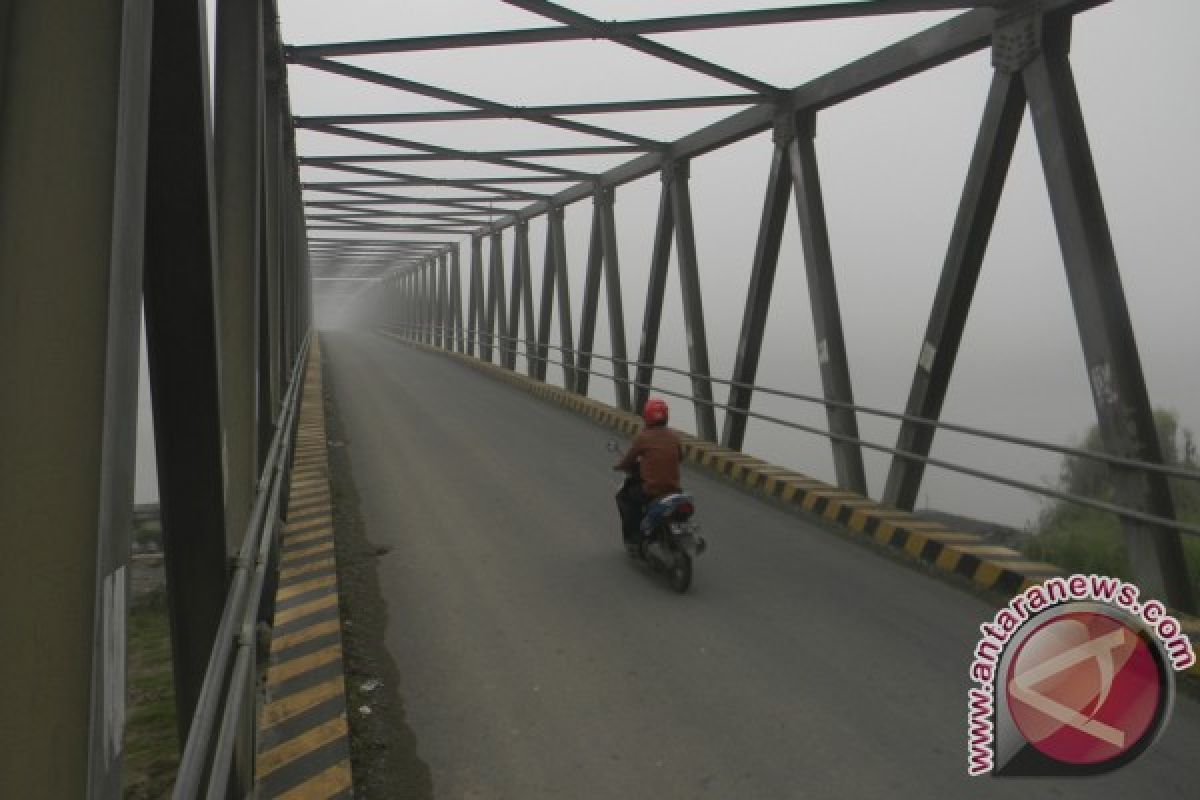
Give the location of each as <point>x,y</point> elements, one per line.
<point>1084,540</point>
<point>151,741</point>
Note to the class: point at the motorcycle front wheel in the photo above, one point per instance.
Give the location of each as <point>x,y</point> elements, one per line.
<point>681,572</point>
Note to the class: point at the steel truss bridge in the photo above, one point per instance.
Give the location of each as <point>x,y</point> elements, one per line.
<point>129,182</point>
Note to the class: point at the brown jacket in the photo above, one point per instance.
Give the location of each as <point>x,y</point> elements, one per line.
<point>659,451</point>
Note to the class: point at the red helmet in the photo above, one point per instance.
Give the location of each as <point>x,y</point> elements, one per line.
<point>655,412</point>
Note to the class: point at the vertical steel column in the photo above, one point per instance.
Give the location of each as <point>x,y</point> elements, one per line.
<point>412,319</point>
<point>273,168</point>
<point>405,295</point>
<point>489,303</point>
<point>960,272</point>
<point>497,314</point>
<point>265,406</point>
<point>181,338</point>
<point>762,283</point>
<point>435,301</point>
<point>546,308</point>
<point>823,297</point>
<point>238,145</point>
<point>426,301</point>
<point>514,302</point>
<point>72,189</point>
<point>591,299</point>
<point>1110,351</point>
<point>554,219</point>
<point>423,301</point>
<point>444,333</point>
<point>456,298</point>
<point>693,307</point>
<point>418,302</point>
<point>656,288</point>
<point>616,305</point>
<point>474,307</point>
<point>410,294</point>
<point>522,267</point>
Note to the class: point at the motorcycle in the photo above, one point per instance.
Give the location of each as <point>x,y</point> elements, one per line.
<point>670,539</point>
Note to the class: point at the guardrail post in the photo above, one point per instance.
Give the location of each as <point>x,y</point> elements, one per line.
<point>1114,367</point>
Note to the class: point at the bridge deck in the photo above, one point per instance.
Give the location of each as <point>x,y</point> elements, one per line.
<point>536,661</point>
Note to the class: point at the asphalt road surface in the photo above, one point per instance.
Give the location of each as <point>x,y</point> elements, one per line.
<point>537,661</point>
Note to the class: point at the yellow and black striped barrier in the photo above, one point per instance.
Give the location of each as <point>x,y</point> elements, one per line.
<point>303,740</point>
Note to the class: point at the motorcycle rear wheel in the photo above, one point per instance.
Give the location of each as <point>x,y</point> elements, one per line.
<point>681,572</point>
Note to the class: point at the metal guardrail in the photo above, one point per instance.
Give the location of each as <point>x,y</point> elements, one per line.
<point>485,339</point>
<point>208,755</point>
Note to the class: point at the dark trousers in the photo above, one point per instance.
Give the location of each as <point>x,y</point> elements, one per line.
<point>631,502</point>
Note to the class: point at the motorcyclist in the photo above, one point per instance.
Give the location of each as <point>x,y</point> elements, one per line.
<point>657,452</point>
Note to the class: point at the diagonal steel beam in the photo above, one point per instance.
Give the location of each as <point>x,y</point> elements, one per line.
<point>530,152</point>
<point>656,288</point>
<point>418,181</point>
<point>565,109</point>
<point>432,149</point>
<point>414,87</point>
<point>998,130</point>
<point>596,28</point>
<point>826,312</point>
<point>957,37</point>
<point>680,24</point>
<point>1123,410</point>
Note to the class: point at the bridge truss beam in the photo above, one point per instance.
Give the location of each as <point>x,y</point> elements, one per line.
<point>1042,71</point>
<point>118,198</point>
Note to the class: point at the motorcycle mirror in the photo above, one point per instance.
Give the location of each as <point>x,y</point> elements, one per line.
<point>612,446</point>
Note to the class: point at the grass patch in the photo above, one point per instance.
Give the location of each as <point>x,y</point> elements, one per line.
<point>151,739</point>
<point>1084,540</point>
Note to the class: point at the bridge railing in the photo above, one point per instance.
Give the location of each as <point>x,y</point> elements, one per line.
<point>575,379</point>
<point>225,712</point>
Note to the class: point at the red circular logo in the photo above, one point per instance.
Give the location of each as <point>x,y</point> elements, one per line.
<point>1084,688</point>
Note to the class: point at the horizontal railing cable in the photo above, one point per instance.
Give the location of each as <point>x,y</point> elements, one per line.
<point>1098,505</point>
<point>222,691</point>
<point>953,427</point>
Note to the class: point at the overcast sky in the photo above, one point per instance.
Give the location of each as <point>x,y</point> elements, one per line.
<point>892,165</point>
